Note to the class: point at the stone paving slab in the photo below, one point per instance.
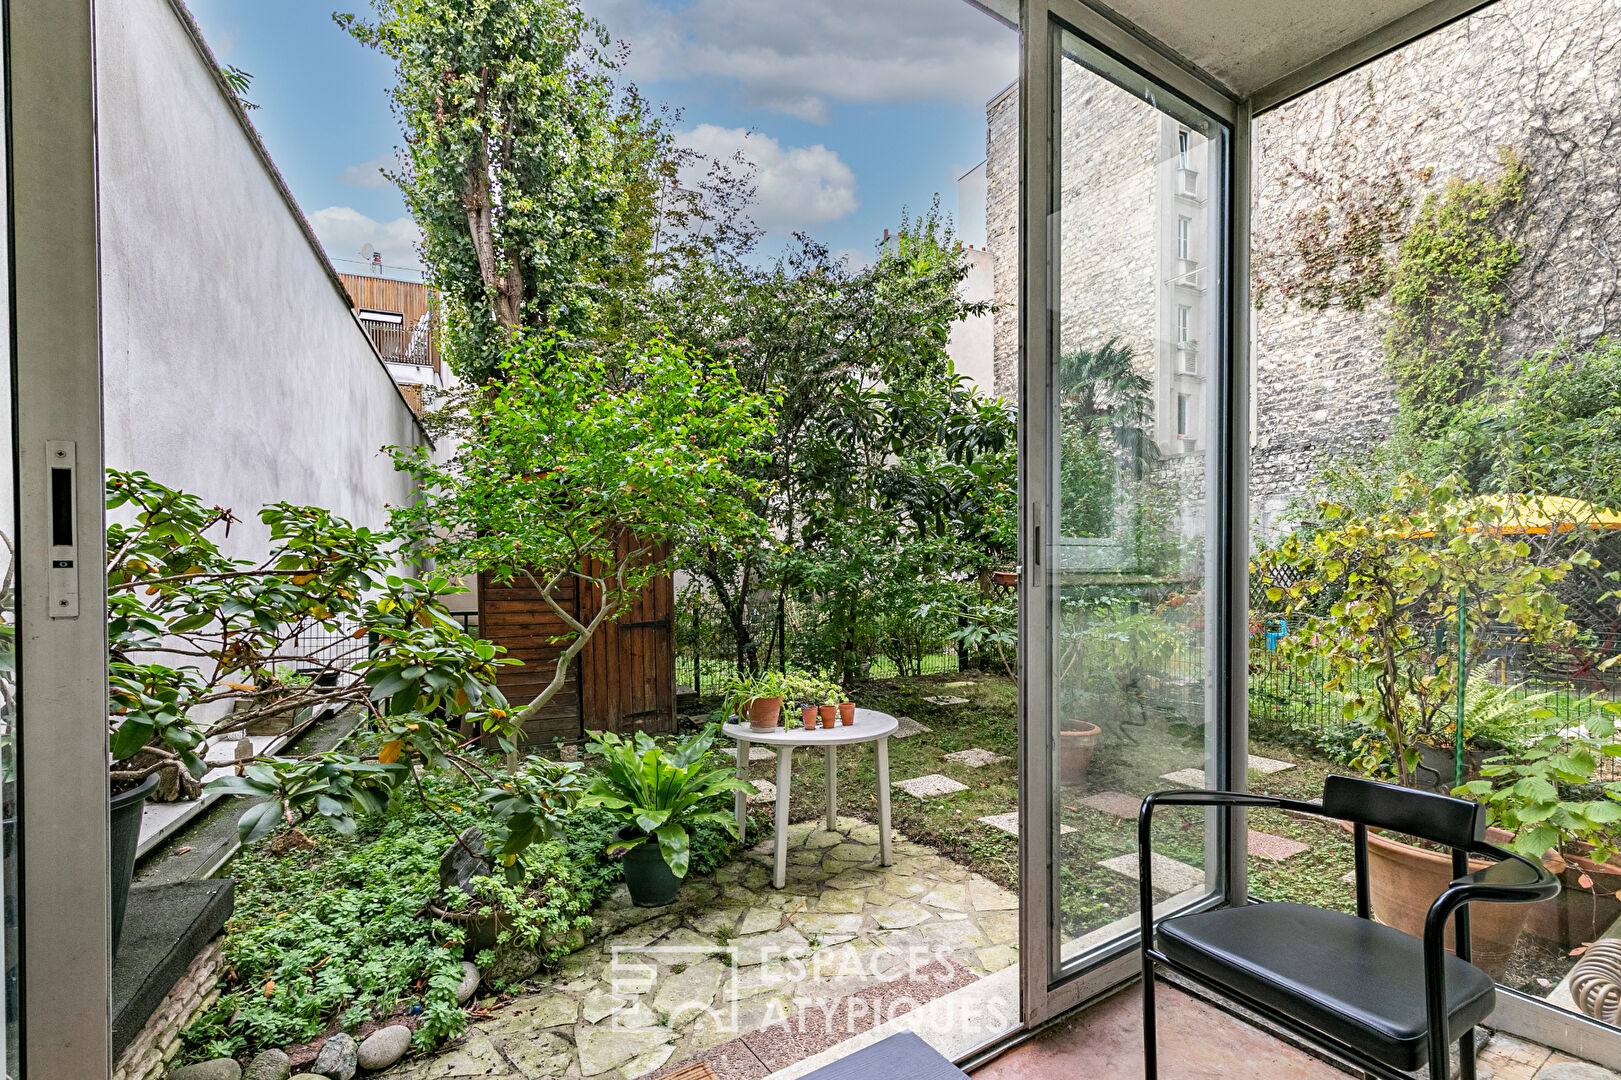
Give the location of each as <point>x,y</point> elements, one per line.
<point>1275,848</point>
<point>756,753</point>
<point>764,792</point>
<point>1169,874</point>
<point>1194,778</point>
<point>657,987</point>
<point>931,786</point>
<point>1188,778</point>
<point>1009,823</point>
<point>906,727</point>
<point>1117,803</point>
<point>1267,766</point>
<point>946,699</point>
<point>975,758</point>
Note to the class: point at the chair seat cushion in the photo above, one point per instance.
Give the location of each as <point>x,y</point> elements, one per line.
<point>1349,978</point>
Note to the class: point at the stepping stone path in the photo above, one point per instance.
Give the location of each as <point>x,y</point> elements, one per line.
<point>652,991</point>
<point>975,758</point>
<point>1169,875</point>
<point>1194,778</point>
<point>946,699</point>
<point>756,753</point>
<point>764,792</point>
<point>1009,823</point>
<point>1274,848</point>
<point>931,786</point>
<point>1117,803</point>
<point>906,727</point>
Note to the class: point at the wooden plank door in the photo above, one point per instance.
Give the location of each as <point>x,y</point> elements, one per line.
<point>515,617</point>
<point>627,670</point>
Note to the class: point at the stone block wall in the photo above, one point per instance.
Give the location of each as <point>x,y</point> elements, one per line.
<point>148,1055</point>
<point>1532,76</point>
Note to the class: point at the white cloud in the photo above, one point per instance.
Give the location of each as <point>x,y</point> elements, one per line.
<point>796,186</point>
<point>800,58</point>
<point>856,257</point>
<point>343,231</point>
<point>369,174</point>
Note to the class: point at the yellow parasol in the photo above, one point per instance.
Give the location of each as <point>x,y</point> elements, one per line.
<point>1539,514</point>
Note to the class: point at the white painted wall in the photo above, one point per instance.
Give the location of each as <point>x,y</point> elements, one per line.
<point>971,345</point>
<point>233,367</point>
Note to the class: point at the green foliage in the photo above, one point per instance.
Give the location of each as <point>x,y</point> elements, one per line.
<point>1106,409</point>
<point>341,930</point>
<point>1394,577</point>
<point>189,627</point>
<point>584,471</point>
<point>517,164</point>
<point>1447,293</point>
<point>885,475</point>
<point>1541,793</point>
<point>661,794</point>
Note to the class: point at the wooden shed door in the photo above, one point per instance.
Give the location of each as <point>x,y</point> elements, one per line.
<point>516,618</point>
<point>627,670</point>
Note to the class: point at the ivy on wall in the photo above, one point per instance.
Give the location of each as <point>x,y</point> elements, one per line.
<point>1448,289</point>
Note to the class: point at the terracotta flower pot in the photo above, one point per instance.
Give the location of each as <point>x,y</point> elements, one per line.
<point>1004,578</point>
<point>764,713</point>
<point>807,716</point>
<point>1076,741</point>
<point>847,712</point>
<point>1403,881</point>
<point>829,714</point>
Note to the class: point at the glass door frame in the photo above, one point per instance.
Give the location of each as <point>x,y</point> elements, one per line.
<point>1227,495</point>
<point>55,336</point>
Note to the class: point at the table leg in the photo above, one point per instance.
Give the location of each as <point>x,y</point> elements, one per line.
<point>785,777</point>
<point>832,788</point>
<point>883,802</point>
<point>740,799</point>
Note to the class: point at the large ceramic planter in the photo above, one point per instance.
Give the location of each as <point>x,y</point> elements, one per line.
<point>126,837</point>
<point>1077,739</point>
<point>647,876</point>
<point>1403,881</point>
<point>1580,913</point>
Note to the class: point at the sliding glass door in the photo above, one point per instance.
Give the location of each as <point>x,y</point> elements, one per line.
<point>1126,349</point>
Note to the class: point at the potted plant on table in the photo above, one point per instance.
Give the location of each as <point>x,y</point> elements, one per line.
<point>658,794</point>
<point>758,698</point>
<point>1393,606</point>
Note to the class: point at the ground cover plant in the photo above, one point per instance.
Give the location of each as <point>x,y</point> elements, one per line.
<point>331,931</point>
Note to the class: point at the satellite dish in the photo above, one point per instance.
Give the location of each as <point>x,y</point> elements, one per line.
<point>366,253</point>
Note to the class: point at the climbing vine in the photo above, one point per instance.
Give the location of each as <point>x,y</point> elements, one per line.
<point>1448,289</point>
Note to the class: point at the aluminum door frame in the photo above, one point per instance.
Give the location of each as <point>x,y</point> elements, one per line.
<point>1227,491</point>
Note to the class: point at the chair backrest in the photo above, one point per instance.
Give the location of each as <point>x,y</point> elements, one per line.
<point>1457,823</point>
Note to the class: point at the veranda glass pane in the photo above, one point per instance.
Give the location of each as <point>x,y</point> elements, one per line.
<point>1135,289</point>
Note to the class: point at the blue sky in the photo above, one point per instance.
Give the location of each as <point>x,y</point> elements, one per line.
<point>850,109</point>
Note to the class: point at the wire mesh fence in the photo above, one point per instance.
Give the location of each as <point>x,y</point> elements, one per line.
<point>709,650</point>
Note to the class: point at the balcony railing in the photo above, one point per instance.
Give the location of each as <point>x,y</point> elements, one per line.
<point>401,344</point>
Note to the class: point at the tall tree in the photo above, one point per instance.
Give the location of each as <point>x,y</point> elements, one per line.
<point>517,144</point>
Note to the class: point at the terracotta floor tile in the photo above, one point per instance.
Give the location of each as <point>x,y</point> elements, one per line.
<point>1196,1042</point>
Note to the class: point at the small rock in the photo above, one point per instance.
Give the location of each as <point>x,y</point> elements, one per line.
<point>269,1065</point>
<point>513,964</point>
<point>336,1061</point>
<point>469,984</point>
<point>459,865</point>
<point>218,1069</point>
<point>384,1047</point>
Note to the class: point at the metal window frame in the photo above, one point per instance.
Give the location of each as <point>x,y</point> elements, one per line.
<point>1227,490</point>
<point>62,738</point>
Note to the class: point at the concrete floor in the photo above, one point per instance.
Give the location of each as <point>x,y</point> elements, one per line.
<point>1198,1041</point>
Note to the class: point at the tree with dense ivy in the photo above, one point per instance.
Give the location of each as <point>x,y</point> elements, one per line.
<point>584,470</point>
<point>520,158</point>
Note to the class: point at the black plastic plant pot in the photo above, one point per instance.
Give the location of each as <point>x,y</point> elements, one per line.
<point>126,837</point>
<point>647,876</point>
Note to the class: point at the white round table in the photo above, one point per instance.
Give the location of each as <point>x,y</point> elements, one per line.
<point>869,726</point>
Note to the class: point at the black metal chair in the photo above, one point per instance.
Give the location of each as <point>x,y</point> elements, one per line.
<point>1374,995</point>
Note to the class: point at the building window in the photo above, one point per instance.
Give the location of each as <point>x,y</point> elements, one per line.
<point>1184,318</point>
<point>1182,416</point>
<point>1183,149</point>
<point>1184,238</point>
